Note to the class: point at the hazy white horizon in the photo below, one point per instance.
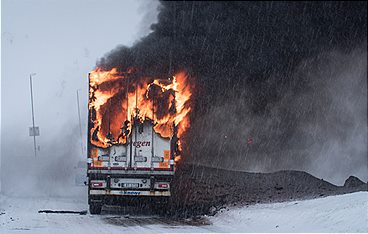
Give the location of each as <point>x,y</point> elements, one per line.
<point>60,41</point>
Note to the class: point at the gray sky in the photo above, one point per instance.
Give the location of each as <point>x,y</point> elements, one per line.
<point>60,41</point>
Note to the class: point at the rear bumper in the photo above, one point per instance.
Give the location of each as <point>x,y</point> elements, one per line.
<point>140,184</point>
<point>130,193</point>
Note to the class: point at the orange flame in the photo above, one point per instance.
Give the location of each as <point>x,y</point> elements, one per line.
<point>116,97</point>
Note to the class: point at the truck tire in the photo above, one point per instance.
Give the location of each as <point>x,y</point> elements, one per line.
<point>161,207</point>
<point>95,208</point>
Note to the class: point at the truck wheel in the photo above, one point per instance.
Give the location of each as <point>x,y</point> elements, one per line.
<point>95,208</point>
<point>162,207</point>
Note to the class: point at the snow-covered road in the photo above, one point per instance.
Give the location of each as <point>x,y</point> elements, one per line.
<point>343,213</point>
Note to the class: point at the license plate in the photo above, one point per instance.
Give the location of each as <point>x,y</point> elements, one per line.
<point>130,185</point>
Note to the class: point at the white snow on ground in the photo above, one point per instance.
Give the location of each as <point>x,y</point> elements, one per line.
<point>343,213</point>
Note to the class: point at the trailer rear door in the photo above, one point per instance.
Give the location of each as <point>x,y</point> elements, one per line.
<point>148,149</point>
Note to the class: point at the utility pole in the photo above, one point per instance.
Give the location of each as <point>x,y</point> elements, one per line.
<point>80,123</point>
<point>33,119</point>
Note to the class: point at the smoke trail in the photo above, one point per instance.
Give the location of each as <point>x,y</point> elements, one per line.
<point>254,63</point>
<point>318,125</point>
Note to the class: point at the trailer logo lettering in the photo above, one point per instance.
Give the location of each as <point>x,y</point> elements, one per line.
<point>139,144</point>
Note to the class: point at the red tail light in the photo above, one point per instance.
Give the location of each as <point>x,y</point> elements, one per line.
<point>163,185</point>
<point>98,184</point>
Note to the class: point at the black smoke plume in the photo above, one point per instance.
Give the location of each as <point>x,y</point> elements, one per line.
<point>264,72</point>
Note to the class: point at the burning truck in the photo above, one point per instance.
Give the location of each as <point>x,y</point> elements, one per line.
<point>135,124</point>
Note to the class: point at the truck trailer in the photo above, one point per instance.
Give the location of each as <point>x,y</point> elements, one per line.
<point>134,170</point>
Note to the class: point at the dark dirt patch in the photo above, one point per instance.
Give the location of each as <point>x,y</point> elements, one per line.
<point>21,229</point>
<point>200,190</point>
<point>84,212</point>
<point>353,182</point>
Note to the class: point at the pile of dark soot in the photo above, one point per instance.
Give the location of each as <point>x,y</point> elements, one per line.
<point>200,190</point>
